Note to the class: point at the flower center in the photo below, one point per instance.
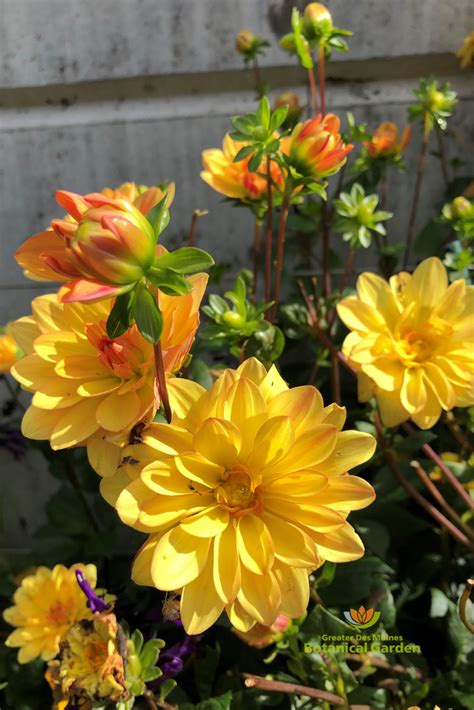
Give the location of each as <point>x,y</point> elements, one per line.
<point>58,614</point>
<point>236,492</point>
<point>124,357</point>
<point>418,344</point>
<point>96,654</point>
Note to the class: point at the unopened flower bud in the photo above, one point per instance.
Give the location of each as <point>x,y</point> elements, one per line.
<point>434,100</point>
<point>245,42</point>
<point>287,42</point>
<point>316,17</point>
<point>295,109</point>
<point>461,207</point>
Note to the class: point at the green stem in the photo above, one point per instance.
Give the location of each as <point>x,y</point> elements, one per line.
<point>322,78</point>
<point>268,235</point>
<point>280,253</point>
<point>416,194</point>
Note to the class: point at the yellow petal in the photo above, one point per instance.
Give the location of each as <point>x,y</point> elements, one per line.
<point>118,412</point>
<point>160,512</point>
<point>104,456</point>
<point>299,483</point>
<point>272,384</point>
<point>219,441</point>
<point>292,545</point>
<point>113,486</point>
<point>75,425</point>
<point>141,568</point>
<point>130,500</point>
<point>56,346</point>
<point>440,385</point>
<point>25,331</point>
<point>334,415</point>
<point>413,393</point>
<point>309,449</point>
<point>246,409</point>
<point>342,545</point>
<point>428,284</point>
<point>387,374</point>
<point>39,424</point>
<point>272,443</point>
<point>201,606</point>
<point>239,618</point>
<point>253,370</point>
<point>375,291</point>
<point>294,587</point>
<point>183,395</point>
<point>427,417</point>
<point>226,564</point>
<point>352,448</point>
<point>346,493</point>
<point>303,405</point>
<point>254,544</point>
<point>162,477</point>
<point>93,388</point>
<point>392,412</point>
<point>359,316</point>
<point>167,439</point>
<point>260,596</point>
<point>199,469</point>
<point>178,559</point>
<point>209,523</point>
<point>308,514</point>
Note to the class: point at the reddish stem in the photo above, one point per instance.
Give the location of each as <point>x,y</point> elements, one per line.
<point>258,78</point>
<point>313,90</point>
<point>268,236</point>
<point>431,453</point>
<point>279,686</point>
<point>280,254</point>
<point>161,385</point>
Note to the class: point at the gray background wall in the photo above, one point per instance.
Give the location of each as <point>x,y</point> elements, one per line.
<point>96,92</point>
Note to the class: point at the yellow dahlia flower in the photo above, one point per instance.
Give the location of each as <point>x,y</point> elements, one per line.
<point>243,494</point>
<point>90,665</point>
<point>46,604</point>
<point>87,385</point>
<point>412,343</point>
<point>235,179</point>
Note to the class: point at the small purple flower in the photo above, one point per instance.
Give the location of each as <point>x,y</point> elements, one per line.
<point>94,602</point>
<point>171,661</point>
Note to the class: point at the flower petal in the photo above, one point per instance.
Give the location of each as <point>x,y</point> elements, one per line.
<point>200,605</point>
<point>254,544</point>
<point>179,558</point>
<point>219,441</point>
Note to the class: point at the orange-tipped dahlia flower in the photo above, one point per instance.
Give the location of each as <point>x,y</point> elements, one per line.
<point>87,385</point>
<point>260,636</point>
<point>316,148</point>
<point>243,494</point>
<point>9,351</point>
<point>412,343</point>
<point>46,604</point>
<point>385,141</point>
<point>235,180</point>
<point>101,248</point>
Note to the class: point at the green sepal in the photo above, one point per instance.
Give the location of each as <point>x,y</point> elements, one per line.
<point>147,315</point>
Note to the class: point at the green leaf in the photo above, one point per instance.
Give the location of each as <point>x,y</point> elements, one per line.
<point>147,316</point>
<point>121,316</point>
<point>255,160</point>
<point>159,217</point>
<point>266,344</point>
<point>217,303</point>
<point>278,117</point>
<point>137,640</point>
<point>244,153</point>
<point>150,674</point>
<point>320,621</point>
<point>169,281</point>
<point>151,652</point>
<point>186,260</point>
<point>263,113</point>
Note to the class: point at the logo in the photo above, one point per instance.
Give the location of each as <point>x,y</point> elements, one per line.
<point>362,618</point>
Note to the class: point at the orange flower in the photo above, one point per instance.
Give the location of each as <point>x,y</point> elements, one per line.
<point>361,615</point>
<point>260,635</point>
<point>234,179</point>
<point>316,148</point>
<point>9,352</point>
<point>112,246</point>
<point>385,141</point>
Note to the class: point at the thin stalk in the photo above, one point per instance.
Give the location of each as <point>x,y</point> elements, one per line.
<point>442,157</point>
<point>257,252</point>
<point>280,254</point>
<point>437,495</point>
<point>416,194</point>
<point>326,229</point>
<point>74,481</point>
<point>463,605</point>
<point>426,448</point>
<point>268,235</point>
<point>322,78</point>
<point>161,385</point>
<point>279,686</point>
<point>258,78</point>
<point>313,91</point>
<point>192,228</point>
<point>441,519</point>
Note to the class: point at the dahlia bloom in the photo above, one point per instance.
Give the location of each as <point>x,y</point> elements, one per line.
<point>243,494</point>
<point>385,141</point>
<point>90,665</point>
<point>9,352</point>
<point>100,249</point>
<point>87,385</point>
<point>316,148</point>
<point>235,179</point>
<point>46,604</point>
<point>261,636</point>
<point>412,342</point>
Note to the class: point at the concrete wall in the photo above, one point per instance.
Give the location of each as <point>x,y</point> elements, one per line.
<point>96,92</point>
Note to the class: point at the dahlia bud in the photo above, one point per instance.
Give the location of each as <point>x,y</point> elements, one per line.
<point>295,109</point>
<point>461,207</point>
<point>288,43</point>
<point>245,42</point>
<point>316,18</point>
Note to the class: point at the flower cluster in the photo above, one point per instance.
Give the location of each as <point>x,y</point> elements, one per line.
<point>411,343</point>
<point>243,494</point>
